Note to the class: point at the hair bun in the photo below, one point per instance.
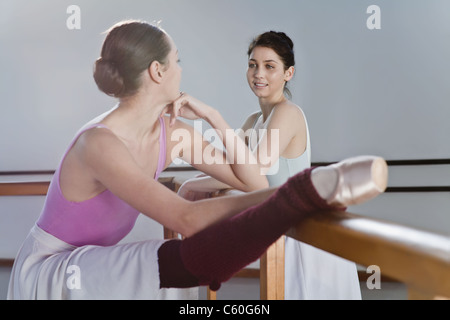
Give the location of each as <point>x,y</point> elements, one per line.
<point>285,38</point>
<point>108,78</point>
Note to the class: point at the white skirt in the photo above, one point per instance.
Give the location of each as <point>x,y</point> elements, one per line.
<point>314,274</point>
<point>47,268</point>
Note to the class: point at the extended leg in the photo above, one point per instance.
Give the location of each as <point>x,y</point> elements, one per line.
<point>213,255</point>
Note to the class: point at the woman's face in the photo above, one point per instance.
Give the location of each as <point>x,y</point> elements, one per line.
<point>266,74</point>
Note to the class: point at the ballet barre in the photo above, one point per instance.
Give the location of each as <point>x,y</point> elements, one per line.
<point>417,258</point>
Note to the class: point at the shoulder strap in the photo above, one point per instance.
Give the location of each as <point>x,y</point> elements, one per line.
<point>308,142</point>
<point>258,115</point>
<point>78,134</point>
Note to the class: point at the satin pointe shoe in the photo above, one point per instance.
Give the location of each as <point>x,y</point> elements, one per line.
<point>359,179</point>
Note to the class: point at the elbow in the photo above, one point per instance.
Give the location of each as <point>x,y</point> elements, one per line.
<point>186,230</point>
<point>261,184</point>
<point>261,181</point>
<point>256,187</point>
<point>264,184</point>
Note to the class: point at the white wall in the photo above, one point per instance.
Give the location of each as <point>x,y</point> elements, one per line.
<point>364,91</point>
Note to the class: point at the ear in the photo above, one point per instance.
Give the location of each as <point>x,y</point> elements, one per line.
<point>155,71</point>
<point>289,73</point>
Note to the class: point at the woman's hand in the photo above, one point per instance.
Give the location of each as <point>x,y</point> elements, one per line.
<point>187,107</point>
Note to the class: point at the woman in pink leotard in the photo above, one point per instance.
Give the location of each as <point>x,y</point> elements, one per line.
<point>107,177</point>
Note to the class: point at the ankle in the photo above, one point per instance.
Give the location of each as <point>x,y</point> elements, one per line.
<point>325,181</point>
<point>302,191</point>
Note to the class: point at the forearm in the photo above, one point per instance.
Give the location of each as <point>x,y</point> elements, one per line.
<point>205,213</point>
<point>242,162</point>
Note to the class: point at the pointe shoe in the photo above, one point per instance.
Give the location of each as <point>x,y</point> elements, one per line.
<point>359,179</point>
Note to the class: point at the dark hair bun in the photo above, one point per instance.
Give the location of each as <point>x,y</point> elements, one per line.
<point>108,78</point>
<point>285,38</point>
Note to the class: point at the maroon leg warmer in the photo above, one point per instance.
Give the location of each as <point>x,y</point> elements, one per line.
<point>215,254</point>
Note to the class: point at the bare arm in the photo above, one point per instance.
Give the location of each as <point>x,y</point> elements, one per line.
<point>207,183</point>
<point>285,124</point>
<point>210,211</point>
<point>236,166</point>
<point>110,164</point>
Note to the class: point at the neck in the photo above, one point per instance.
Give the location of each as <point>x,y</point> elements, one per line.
<point>136,117</point>
<point>267,104</point>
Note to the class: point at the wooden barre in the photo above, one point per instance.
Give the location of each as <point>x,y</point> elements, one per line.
<point>39,188</point>
<point>420,259</point>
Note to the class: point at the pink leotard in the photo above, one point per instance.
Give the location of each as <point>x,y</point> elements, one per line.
<point>102,220</point>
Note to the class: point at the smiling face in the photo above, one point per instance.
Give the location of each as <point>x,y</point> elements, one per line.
<point>266,73</point>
